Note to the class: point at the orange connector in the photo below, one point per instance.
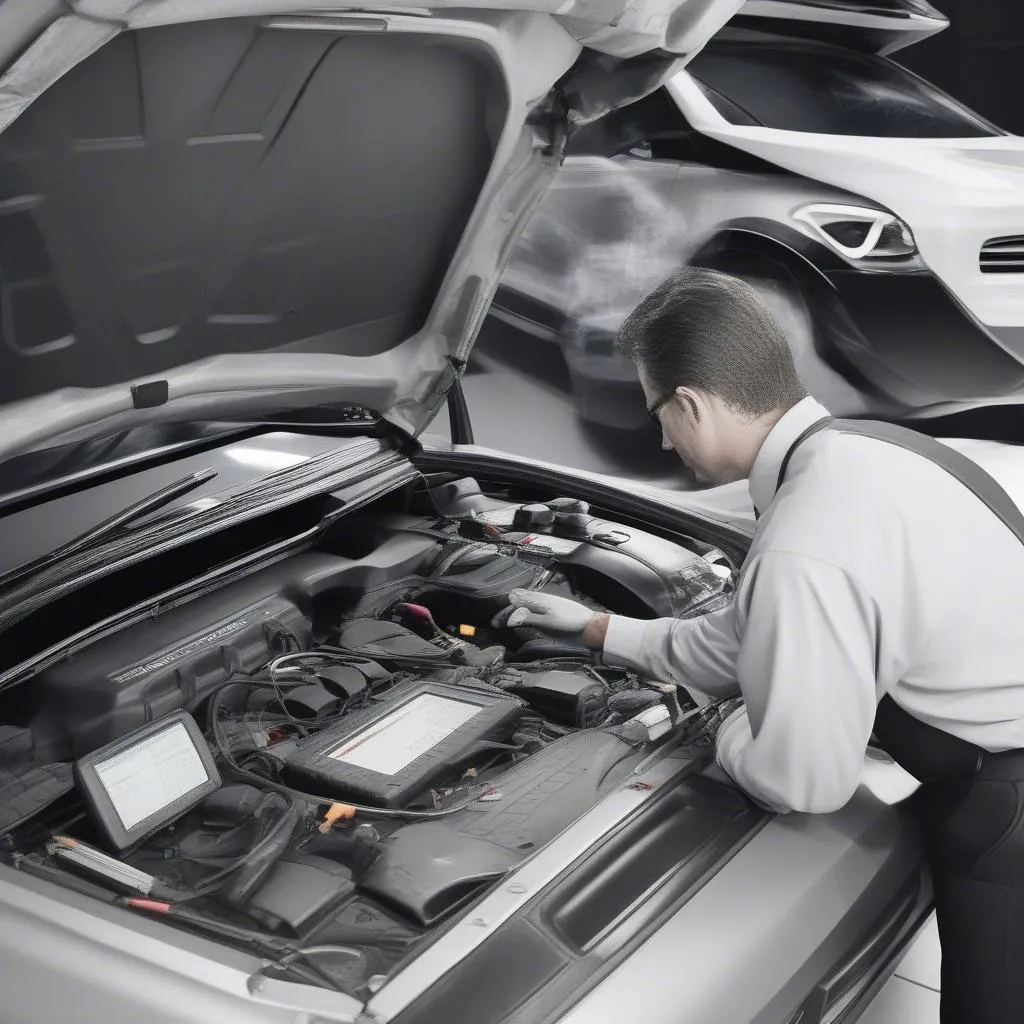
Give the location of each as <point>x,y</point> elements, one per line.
<point>336,812</point>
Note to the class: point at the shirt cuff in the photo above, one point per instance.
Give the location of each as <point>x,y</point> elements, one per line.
<point>733,735</point>
<point>624,642</point>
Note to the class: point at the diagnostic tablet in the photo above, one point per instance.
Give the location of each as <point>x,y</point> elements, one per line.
<point>415,736</point>
<point>144,780</point>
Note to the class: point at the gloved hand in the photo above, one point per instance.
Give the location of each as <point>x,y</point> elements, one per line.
<point>545,612</point>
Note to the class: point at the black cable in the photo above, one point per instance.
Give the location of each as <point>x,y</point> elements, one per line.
<point>308,967</point>
<point>310,974</point>
<point>298,794</point>
<point>267,944</point>
<point>281,954</point>
<point>215,881</point>
<point>306,955</point>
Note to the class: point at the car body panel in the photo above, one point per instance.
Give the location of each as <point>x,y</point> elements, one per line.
<point>121,967</point>
<point>752,905</point>
<point>878,27</point>
<point>955,194</point>
<point>65,954</point>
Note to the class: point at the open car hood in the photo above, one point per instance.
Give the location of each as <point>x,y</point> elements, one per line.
<point>220,206</point>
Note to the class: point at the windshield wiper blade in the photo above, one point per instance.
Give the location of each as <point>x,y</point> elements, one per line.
<point>109,527</point>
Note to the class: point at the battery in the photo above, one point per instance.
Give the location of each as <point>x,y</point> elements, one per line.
<point>386,755</point>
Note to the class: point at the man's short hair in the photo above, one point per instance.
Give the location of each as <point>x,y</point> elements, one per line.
<point>712,332</point>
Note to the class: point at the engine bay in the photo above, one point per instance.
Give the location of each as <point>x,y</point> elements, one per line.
<point>343,750</point>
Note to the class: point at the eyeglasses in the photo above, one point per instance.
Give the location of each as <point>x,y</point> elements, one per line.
<point>653,410</point>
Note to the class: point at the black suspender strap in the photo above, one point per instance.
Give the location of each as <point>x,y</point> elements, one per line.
<point>928,753</point>
<point>814,428</point>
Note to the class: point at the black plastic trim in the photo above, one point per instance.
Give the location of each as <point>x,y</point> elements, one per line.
<point>541,973</point>
<point>852,37</point>
<point>732,536</point>
<point>866,959</point>
<point>459,422</point>
<point>919,343</point>
<point>150,394</point>
<point>640,871</point>
<point>529,310</point>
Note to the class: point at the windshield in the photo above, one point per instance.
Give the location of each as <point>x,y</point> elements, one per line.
<point>828,91</point>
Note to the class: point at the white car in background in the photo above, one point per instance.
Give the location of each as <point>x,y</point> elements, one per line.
<point>882,219</point>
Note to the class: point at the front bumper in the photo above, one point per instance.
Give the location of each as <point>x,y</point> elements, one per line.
<point>909,338</point>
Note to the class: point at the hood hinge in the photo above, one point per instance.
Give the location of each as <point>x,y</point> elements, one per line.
<point>451,376</point>
<point>450,385</point>
<point>551,126</point>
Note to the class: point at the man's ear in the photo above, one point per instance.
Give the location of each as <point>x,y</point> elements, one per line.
<point>692,401</point>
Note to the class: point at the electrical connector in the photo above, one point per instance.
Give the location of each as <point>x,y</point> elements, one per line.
<point>334,813</point>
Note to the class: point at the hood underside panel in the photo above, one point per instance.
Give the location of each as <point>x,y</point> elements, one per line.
<point>224,187</point>
<point>213,208</point>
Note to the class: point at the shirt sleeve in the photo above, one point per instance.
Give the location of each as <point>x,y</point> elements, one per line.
<point>698,653</point>
<point>806,668</point>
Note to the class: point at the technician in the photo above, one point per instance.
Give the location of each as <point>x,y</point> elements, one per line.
<point>880,595</point>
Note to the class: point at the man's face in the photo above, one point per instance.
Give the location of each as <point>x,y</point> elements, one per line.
<point>691,427</point>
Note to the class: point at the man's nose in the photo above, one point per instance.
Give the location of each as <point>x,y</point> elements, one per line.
<point>666,444</point>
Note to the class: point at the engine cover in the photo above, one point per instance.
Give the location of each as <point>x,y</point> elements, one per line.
<point>158,667</point>
<point>429,869</point>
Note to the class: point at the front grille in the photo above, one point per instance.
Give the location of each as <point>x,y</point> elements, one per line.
<point>1003,255</point>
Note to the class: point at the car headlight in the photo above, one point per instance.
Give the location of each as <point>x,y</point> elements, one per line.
<point>859,232</point>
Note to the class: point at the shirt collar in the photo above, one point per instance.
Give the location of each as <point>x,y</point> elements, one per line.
<point>764,474</point>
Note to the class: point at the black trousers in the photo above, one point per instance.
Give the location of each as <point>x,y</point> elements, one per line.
<point>974,836</point>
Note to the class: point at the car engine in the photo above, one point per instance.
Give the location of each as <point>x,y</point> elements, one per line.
<point>343,747</point>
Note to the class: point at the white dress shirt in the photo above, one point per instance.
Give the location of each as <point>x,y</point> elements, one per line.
<point>871,571</point>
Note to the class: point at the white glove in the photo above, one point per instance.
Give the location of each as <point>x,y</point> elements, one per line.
<point>546,612</point>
